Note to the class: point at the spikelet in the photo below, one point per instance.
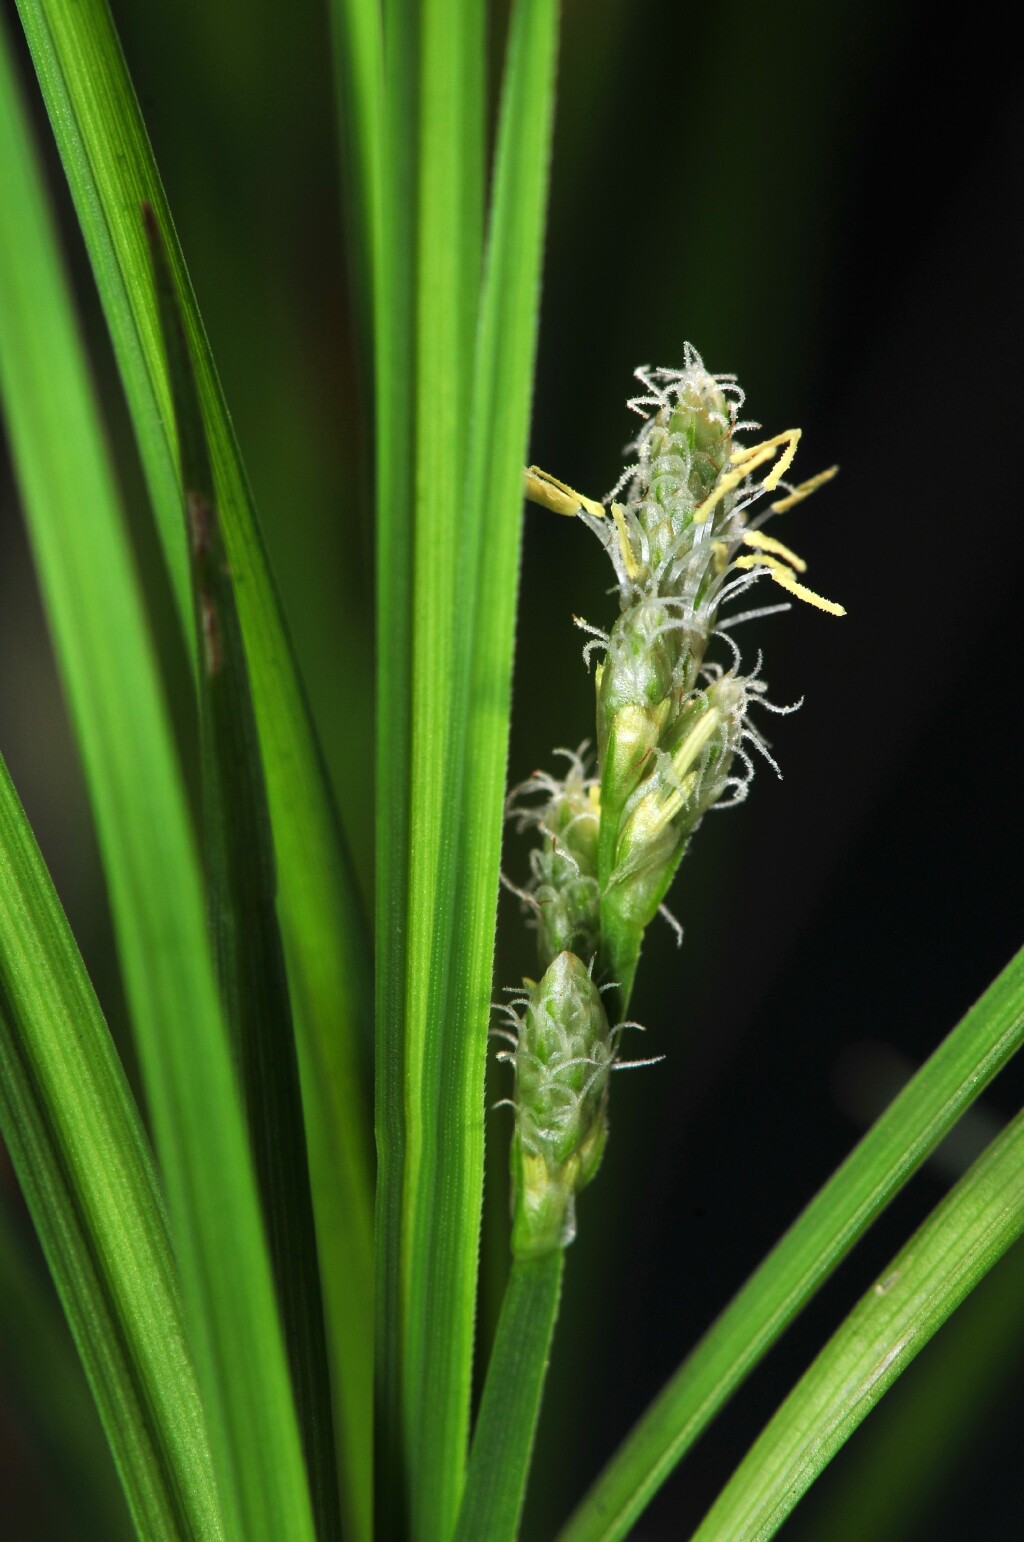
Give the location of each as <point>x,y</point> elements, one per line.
<point>563,1058</point>
<point>562,895</point>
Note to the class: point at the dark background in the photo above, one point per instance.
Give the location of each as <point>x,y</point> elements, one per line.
<point>822,198</point>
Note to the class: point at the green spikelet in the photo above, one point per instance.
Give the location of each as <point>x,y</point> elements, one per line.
<point>563,893</point>
<point>562,1060</point>
<point>684,780</point>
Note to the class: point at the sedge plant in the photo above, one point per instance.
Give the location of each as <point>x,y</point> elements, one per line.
<point>268,1253</point>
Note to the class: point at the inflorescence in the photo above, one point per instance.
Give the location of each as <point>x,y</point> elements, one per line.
<point>674,739</point>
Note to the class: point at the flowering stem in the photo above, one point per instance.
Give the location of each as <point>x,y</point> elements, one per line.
<point>503,1439</point>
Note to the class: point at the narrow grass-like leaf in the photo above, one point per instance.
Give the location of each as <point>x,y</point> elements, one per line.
<point>358,52</point>
<point>111,173</point>
<point>507,1424</point>
<point>897,1476</point>
<point>394,313</point>
<point>84,1164</point>
<point>241,885</point>
<point>427,263</point>
<point>500,419</point>
<point>46,1390</point>
<point>438,1257</point>
<point>112,683</point>
<point>840,1213</point>
<point>467,541</point>
<point>945,1258</point>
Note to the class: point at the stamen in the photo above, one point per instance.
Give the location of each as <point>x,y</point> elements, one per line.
<point>784,576</point>
<point>756,454</point>
<point>746,460</point>
<point>726,484</point>
<point>762,542</point>
<point>629,561</point>
<point>804,490</point>
<point>541,487</point>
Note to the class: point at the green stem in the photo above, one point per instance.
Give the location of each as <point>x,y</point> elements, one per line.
<point>503,1440</point>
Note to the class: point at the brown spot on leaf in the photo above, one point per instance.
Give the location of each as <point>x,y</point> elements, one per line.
<point>213,652</point>
<point>201,521</point>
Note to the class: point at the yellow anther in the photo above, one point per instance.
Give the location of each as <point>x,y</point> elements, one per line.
<point>541,487</point>
<point>726,484</point>
<point>682,764</point>
<point>756,455</point>
<point>631,564</point>
<point>804,490</point>
<point>784,576</point>
<point>746,459</point>
<point>762,542</point>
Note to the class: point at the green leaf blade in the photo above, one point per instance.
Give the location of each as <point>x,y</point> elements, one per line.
<point>428,257</point>
<point>358,59</point>
<point>439,1250</point>
<point>50,1396</point>
<point>836,1218</point>
<point>112,684</point>
<point>394,321</point>
<point>945,1258</point>
<point>898,1475</point>
<point>111,173</point>
<point>242,882</point>
<point>84,1164</point>
<point>466,558</point>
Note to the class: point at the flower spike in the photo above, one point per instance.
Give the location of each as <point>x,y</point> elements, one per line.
<point>674,739</point>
